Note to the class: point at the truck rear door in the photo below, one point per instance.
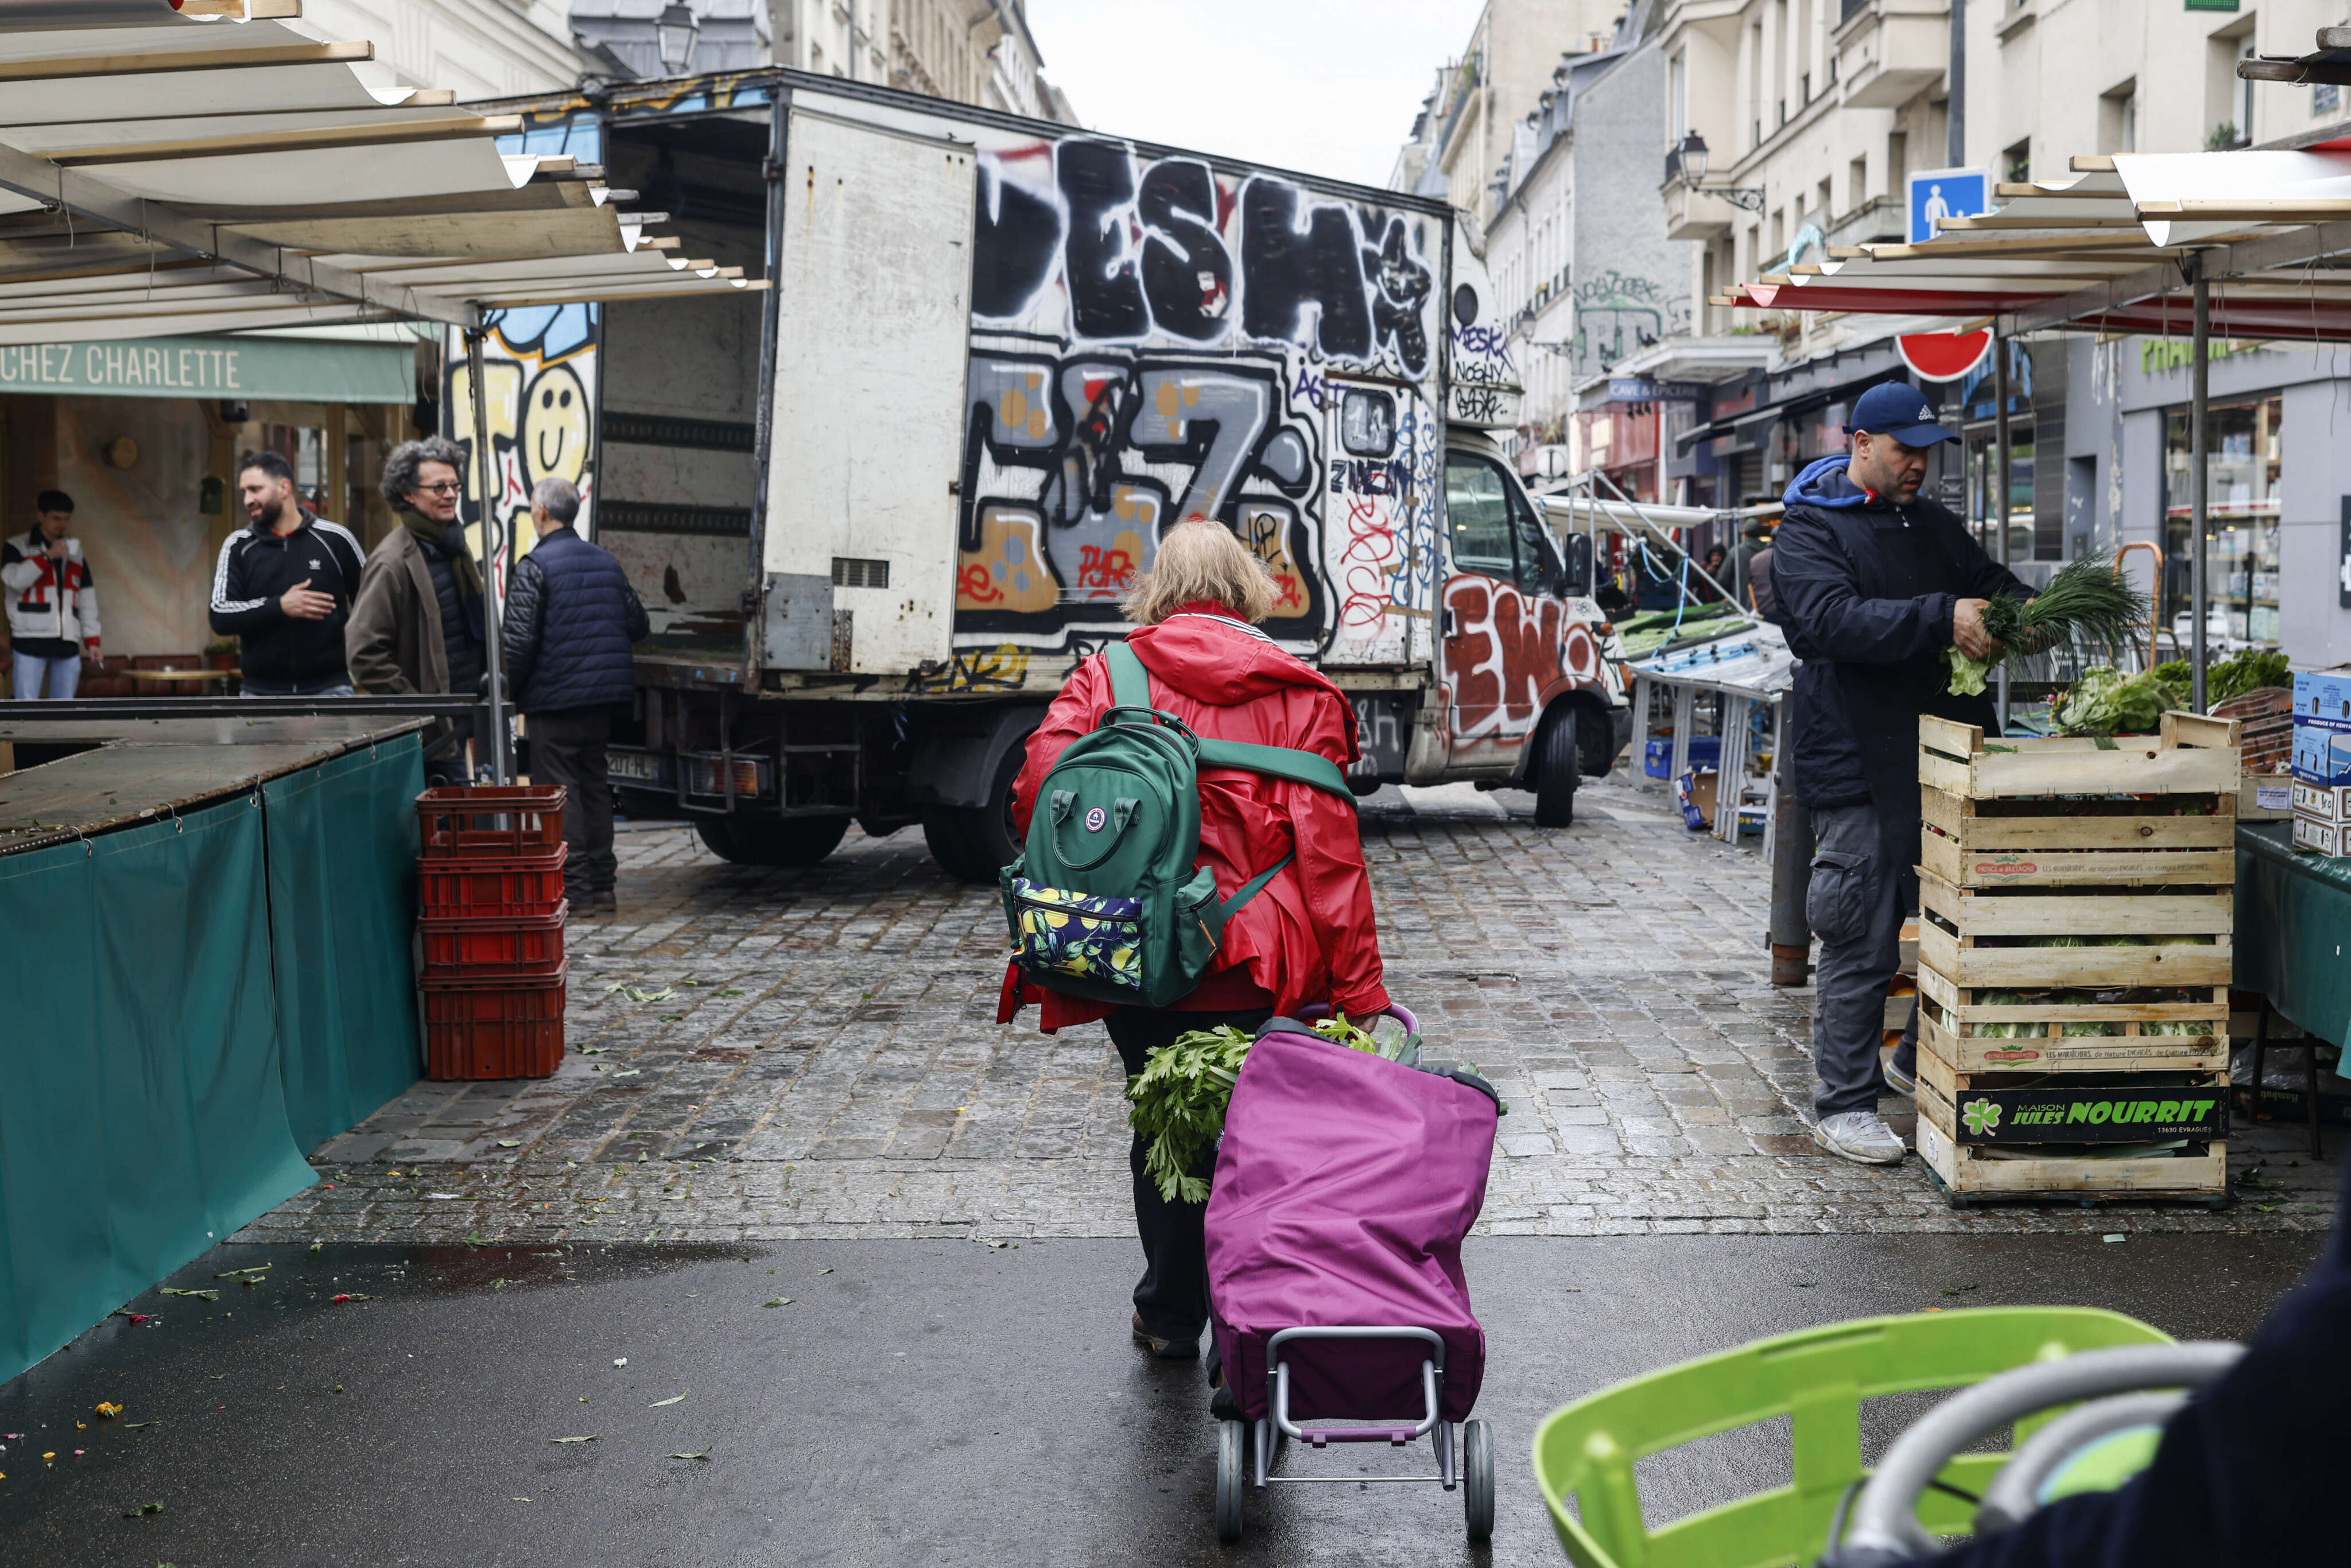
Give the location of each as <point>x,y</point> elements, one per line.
<point>875,280</point>
<point>1379,533</point>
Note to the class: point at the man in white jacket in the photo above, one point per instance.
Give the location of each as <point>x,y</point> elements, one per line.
<point>52,601</point>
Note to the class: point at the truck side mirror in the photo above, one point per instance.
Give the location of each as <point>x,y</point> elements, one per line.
<point>1575,572</point>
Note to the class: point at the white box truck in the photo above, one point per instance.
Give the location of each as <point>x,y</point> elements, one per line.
<point>879,511</point>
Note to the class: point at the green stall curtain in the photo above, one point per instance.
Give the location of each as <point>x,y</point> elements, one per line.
<point>342,905</point>
<point>2293,917</point>
<point>143,1118</point>
<point>193,1005</point>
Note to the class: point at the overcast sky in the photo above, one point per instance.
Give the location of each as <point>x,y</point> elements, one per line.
<point>1324,86</point>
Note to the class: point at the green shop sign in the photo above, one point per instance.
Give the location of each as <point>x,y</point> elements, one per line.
<point>2092,1116</point>
<point>290,370</point>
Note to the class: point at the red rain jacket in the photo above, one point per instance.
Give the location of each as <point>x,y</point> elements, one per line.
<point>1309,936</point>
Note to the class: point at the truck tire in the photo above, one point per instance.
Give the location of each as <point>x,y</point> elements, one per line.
<point>972,844</point>
<point>784,841</point>
<point>1558,771</point>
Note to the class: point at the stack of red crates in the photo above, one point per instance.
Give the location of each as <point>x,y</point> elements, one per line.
<point>490,913</point>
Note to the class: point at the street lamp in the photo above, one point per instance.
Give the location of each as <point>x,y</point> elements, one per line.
<point>1692,153</point>
<point>677,29</point>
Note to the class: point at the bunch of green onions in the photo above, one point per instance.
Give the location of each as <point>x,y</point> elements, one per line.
<point>2087,601</point>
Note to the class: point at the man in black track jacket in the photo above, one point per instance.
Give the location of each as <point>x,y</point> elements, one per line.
<point>282,588</point>
<point>1872,582</point>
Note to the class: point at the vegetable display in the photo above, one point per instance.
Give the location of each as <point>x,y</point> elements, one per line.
<point>2087,601</point>
<point>2104,701</point>
<point>1179,1097</point>
<point>1645,633</point>
<point>2245,671</point>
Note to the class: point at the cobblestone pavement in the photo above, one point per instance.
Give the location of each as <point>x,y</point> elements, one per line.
<point>769,1054</point>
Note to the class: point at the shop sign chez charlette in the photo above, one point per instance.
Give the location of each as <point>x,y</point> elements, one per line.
<point>2093,1116</point>
<point>297,370</point>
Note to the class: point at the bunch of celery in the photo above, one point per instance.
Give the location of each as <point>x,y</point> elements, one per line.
<point>2087,601</point>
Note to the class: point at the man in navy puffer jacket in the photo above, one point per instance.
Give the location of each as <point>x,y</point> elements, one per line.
<point>571,620</point>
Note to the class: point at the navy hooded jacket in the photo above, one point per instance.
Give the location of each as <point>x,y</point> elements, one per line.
<point>1864,590</point>
<point>570,620</point>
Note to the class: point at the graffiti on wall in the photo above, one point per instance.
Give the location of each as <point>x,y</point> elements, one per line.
<point>1616,315</point>
<point>1152,342</point>
<point>539,367</point>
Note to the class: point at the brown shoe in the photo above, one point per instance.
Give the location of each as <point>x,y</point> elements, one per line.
<point>1165,1349</point>
<point>605,902</point>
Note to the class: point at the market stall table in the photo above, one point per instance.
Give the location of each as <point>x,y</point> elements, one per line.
<point>2293,917</point>
<point>218,911</point>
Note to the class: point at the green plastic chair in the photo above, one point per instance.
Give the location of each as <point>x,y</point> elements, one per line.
<point>1817,1378</point>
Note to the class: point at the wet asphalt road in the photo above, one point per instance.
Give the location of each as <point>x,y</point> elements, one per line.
<point>920,1402</point>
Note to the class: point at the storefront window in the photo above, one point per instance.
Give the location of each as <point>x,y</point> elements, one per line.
<point>2240,564</point>
<point>304,446</point>
<point>1983,483</point>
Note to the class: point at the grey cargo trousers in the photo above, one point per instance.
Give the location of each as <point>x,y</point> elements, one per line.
<point>1852,904</point>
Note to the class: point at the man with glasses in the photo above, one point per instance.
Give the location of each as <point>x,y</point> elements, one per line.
<point>416,624</point>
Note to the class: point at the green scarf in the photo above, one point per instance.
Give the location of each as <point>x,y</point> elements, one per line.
<point>452,543</point>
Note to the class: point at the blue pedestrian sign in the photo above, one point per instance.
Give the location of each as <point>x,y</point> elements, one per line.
<point>1946,193</point>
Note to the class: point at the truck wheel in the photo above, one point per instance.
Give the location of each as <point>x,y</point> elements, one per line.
<point>972,844</point>
<point>784,841</point>
<point>1558,771</point>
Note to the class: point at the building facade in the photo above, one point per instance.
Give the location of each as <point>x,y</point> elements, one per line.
<point>1811,118</point>
<point>972,51</point>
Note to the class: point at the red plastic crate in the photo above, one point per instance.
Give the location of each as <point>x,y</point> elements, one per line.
<point>504,1028</point>
<point>485,949</point>
<point>492,822</point>
<point>460,888</point>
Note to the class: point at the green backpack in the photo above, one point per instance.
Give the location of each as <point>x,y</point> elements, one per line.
<point>1104,901</point>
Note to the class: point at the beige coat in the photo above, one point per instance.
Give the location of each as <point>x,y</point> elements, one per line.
<point>392,641</point>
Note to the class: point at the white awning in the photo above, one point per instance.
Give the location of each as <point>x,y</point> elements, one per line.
<point>176,167</point>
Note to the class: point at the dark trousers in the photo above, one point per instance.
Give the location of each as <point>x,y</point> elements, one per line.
<point>567,747</point>
<point>1172,1294</point>
<point>1854,904</point>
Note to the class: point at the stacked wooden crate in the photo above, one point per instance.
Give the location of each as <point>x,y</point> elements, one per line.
<point>2073,961</point>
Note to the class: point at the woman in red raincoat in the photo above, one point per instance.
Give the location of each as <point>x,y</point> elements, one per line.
<point>1307,937</point>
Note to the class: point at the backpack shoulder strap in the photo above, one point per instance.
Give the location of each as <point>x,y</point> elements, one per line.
<point>1129,684</point>
<point>1307,768</point>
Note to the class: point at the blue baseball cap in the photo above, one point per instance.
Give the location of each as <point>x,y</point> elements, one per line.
<point>1901,411</point>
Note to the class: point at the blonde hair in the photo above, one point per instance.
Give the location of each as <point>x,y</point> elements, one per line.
<point>1201,560</point>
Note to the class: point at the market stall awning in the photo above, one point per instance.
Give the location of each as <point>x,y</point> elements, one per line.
<point>2114,248</point>
<point>204,166</point>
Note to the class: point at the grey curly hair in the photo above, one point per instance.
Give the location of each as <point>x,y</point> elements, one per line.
<point>403,465</point>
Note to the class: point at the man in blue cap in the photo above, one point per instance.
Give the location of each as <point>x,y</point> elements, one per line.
<point>1873,583</point>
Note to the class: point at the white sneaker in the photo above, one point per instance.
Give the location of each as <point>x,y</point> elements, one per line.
<point>1901,1082</point>
<point>1859,1136</point>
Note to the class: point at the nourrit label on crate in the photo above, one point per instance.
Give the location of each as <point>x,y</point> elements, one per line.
<point>2101,1115</point>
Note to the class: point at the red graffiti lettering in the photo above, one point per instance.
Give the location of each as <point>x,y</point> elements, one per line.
<point>1099,568</point>
<point>1365,565</point>
<point>975,584</point>
<point>1507,650</point>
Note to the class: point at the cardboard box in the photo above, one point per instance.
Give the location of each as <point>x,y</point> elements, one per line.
<point>2322,838</point>
<point>2321,756</point>
<point>2322,698</point>
<point>2323,804</point>
<point>2265,798</point>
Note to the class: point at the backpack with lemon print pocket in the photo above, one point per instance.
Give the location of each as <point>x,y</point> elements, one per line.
<point>1108,900</point>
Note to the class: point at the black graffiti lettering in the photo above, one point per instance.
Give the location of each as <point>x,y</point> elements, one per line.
<point>1285,269</point>
<point>1403,289</point>
<point>1105,294</point>
<point>1186,275</point>
<point>1019,235</point>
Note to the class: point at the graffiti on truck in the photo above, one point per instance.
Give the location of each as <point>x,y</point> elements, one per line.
<point>1506,649</point>
<point>539,366</point>
<point>1154,340</point>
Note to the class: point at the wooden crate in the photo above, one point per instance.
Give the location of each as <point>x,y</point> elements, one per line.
<point>1950,1021</point>
<point>1964,938</point>
<point>2191,756</point>
<point>1968,1177</point>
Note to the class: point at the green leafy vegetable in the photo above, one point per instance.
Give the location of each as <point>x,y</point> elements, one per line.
<point>2104,701</point>
<point>2087,601</point>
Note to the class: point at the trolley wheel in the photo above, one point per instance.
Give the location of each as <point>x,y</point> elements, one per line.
<point>1232,1474</point>
<point>1478,1479</point>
